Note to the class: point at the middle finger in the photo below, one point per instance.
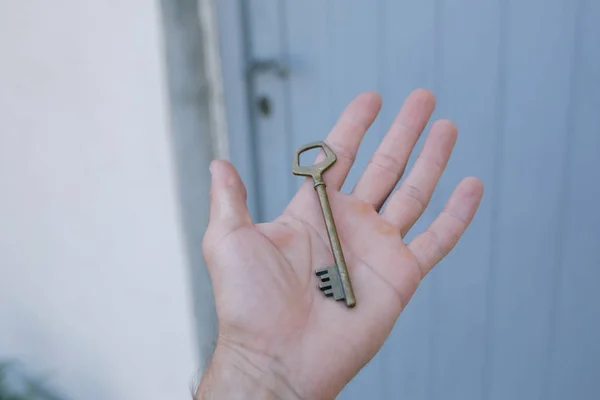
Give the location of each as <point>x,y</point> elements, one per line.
<point>387,164</point>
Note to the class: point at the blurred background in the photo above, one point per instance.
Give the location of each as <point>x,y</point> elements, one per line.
<point>111,111</point>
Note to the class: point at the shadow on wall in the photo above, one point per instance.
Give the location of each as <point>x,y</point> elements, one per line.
<point>190,142</point>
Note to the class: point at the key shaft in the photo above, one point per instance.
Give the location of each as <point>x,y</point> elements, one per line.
<point>334,241</point>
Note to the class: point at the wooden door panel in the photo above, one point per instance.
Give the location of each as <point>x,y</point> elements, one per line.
<point>513,312</point>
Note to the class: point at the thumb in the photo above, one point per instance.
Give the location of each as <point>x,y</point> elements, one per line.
<point>228,210</point>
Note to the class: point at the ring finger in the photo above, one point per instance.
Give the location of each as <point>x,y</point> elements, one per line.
<point>412,197</point>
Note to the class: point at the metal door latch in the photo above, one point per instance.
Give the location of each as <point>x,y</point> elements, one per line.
<point>274,66</point>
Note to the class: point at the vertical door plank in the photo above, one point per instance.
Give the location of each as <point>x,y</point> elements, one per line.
<point>309,53</point>
<point>355,28</point>
<point>575,350</point>
<point>232,50</point>
<point>538,68</point>
<point>467,65</point>
<point>356,51</point>
<point>272,140</point>
<point>408,58</point>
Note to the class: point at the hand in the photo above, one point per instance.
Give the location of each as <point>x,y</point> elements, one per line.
<point>279,336</point>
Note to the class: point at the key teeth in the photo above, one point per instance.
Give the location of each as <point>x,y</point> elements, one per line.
<point>325,278</point>
<point>330,283</point>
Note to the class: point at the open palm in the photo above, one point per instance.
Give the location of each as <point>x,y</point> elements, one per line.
<point>274,323</point>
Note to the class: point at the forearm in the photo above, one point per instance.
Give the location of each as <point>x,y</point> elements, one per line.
<point>239,375</point>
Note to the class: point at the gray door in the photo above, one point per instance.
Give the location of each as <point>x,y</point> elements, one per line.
<point>513,312</point>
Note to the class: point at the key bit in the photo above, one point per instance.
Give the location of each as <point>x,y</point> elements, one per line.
<point>335,280</point>
<point>331,283</point>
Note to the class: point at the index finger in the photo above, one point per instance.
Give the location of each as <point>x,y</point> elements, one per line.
<point>346,135</point>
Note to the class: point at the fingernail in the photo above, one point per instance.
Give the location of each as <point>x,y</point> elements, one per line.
<point>216,171</point>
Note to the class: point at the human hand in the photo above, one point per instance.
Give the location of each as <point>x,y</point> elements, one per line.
<point>279,336</point>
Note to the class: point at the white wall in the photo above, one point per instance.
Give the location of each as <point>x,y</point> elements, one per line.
<point>93,280</point>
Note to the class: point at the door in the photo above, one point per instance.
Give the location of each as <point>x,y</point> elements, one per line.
<point>513,312</point>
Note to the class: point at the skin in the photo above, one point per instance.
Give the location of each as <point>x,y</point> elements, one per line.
<point>279,336</point>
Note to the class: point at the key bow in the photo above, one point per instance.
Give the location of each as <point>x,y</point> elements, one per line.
<point>315,171</point>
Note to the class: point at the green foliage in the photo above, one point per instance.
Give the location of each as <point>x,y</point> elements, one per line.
<point>16,385</point>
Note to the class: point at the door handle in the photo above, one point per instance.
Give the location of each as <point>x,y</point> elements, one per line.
<point>272,66</point>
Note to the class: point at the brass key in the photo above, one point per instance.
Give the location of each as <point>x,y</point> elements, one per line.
<point>335,281</point>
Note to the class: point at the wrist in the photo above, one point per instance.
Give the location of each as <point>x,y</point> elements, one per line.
<point>239,373</point>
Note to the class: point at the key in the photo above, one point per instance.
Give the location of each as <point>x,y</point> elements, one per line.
<point>335,280</point>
